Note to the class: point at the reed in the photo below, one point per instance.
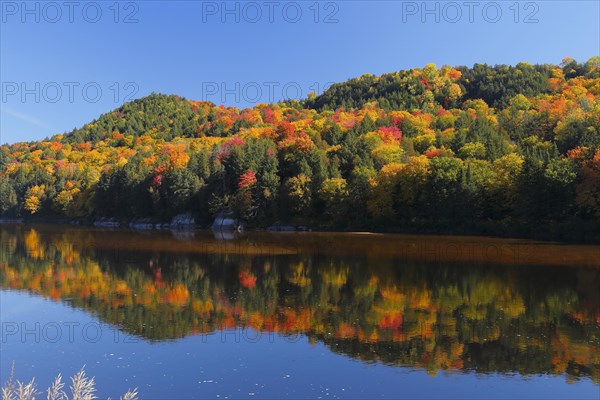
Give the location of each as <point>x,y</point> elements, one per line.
<point>81,388</point>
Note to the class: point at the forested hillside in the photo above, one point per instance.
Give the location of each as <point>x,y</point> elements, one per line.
<point>482,149</point>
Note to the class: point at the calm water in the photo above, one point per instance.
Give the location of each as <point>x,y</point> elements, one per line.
<point>190,315</point>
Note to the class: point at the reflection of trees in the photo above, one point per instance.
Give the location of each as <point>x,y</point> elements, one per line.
<point>433,316</point>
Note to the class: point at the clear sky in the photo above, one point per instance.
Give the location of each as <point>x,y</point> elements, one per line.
<point>64,63</point>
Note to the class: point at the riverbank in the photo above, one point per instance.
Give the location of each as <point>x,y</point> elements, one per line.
<point>574,231</point>
<point>455,249</point>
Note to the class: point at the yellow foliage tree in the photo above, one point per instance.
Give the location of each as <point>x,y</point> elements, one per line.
<point>33,199</point>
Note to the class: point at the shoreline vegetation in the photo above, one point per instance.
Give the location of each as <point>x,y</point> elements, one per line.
<point>509,151</point>
<point>81,388</point>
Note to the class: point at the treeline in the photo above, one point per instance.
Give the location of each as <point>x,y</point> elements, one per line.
<point>482,149</point>
<point>405,89</point>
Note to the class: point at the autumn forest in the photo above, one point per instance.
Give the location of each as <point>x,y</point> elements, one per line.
<point>507,150</point>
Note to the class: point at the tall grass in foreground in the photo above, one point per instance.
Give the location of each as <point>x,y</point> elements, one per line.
<point>81,388</point>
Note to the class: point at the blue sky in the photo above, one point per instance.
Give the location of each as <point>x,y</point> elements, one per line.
<point>65,63</point>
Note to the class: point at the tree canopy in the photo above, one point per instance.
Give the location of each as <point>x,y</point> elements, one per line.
<point>422,147</point>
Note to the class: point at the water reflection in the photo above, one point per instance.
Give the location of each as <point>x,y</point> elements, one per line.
<point>373,298</point>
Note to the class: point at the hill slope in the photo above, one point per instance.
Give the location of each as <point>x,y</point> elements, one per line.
<point>446,149</point>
